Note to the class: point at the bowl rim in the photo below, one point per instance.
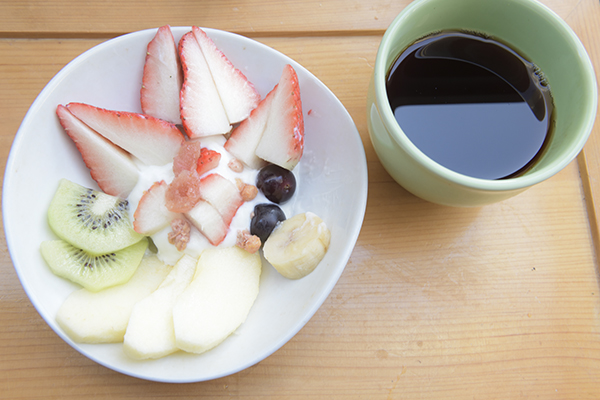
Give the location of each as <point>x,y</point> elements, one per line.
<point>317,300</point>
<point>511,184</point>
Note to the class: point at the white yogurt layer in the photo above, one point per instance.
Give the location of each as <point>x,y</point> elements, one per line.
<point>167,252</point>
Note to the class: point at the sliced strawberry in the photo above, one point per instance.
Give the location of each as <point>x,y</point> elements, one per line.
<point>153,141</point>
<point>208,221</point>
<point>208,160</point>
<point>187,157</point>
<point>162,78</point>
<point>151,214</point>
<point>237,93</point>
<point>245,137</point>
<point>222,194</point>
<point>183,192</point>
<point>192,156</point>
<point>282,142</point>
<point>202,113</point>
<point>110,166</point>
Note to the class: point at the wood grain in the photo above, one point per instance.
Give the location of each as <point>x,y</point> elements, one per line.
<point>499,302</point>
<point>71,18</point>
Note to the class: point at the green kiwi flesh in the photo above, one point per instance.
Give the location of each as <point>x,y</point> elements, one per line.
<point>93,272</point>
<point>91,220</point>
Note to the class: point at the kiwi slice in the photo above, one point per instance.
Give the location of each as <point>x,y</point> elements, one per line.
<point>91,220</point>
<point>93,272</point>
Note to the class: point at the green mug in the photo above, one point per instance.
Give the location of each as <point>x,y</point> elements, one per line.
<point>529,28</point>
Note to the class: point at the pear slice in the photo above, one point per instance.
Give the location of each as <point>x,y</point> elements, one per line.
<point>218,299</point>
<point>150,331</point>
<point>102,317</point>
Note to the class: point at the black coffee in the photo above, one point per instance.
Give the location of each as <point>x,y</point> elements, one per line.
<point>471,104</point>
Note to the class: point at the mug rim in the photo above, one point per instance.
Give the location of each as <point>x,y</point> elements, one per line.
<point>520,182</point>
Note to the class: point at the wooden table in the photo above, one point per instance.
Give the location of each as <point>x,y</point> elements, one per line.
<point>498,302</point>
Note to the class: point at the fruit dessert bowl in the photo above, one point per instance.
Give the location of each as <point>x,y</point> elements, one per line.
<point>331,183</point>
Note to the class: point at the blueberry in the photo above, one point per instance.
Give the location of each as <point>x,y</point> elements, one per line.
<point>266,217</point>
<point>276,183</point>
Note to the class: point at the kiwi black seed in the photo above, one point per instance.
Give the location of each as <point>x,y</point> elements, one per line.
<point>103,221</point>
<point>91,220</point>
<point>93,272</point>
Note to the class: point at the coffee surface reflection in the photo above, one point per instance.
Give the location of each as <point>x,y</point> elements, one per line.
<point>472,104</point>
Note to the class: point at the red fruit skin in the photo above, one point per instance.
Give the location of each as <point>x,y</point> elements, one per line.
<point>162,78</point>
<point>245,137</point>
<point>187,157</point>
<point>151,214</point>
<point>153,141</point>
<point>192,156</point>
<point>110,166</point>
<point>202,113</point>
<point>282,142</point>
<point>208,160</point>
<point>209,203</point>
<point>237,93</point>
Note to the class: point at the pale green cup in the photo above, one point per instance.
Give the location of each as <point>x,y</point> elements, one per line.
<point>528,27</point>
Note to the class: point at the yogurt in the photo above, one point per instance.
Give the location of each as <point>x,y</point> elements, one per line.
<point>167,252</point>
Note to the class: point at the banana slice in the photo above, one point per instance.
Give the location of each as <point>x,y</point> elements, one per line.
<point>297,245</point>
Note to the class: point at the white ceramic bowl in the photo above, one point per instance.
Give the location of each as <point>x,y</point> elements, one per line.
<point>332,183</point>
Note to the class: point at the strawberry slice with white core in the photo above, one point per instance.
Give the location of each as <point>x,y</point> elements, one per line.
<point>151,214</point>
<point>110,166</point>
<point>238,95</point>
<point>245,137</point>
<point>282,142</point>
<point>162,78</point>
<point>208,221</point>
<point>222,194</point>
<point>202,113</point>
<point>151,140</point>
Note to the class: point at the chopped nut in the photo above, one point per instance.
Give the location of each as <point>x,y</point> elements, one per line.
<point>180,236</point>
<point>239,183</point>
<point>235,165</point>
<point>249,192</point>
<point>248,242</point>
